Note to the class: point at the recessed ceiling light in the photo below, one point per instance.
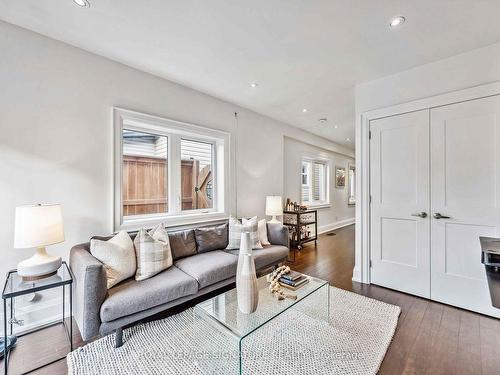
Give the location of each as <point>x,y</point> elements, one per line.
<point>336,126</point>
<point>304,110</point>
<point>254,85</point>
<point>82,3</point>
<point>323,120</point>
<point>397,21</point>
<point>348,139</point>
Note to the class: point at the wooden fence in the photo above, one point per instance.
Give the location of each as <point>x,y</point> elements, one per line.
<point>145,185</point>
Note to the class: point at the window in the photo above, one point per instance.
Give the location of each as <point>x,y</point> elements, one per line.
<point>144,173</point>
<point>167,171</point>
<point>315,182</point>
<point>196,174</point>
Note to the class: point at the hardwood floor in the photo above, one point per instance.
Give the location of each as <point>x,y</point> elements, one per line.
<point>431,338</point>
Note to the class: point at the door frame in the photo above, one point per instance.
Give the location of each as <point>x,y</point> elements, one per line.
<point>361,272</point>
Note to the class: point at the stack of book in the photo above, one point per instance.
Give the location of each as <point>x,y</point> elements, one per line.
<point>293,280</point>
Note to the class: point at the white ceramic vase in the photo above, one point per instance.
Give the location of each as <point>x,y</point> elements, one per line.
<point>245,248</point>
<point>246,285</point>
<point>246,278</point>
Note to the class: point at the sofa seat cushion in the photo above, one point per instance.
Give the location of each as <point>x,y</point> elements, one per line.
<point>209,268</point>
<point>267,256</point>
<point>133,296</point>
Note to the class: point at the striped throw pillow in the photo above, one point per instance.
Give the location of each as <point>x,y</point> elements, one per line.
<point>235,230</point>
<point>153,252</point>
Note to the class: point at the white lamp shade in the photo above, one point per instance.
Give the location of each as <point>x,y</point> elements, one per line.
<point>274,206</point>
<point>38,226</point>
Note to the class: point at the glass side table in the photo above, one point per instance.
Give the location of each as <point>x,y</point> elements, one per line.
<point>15,286</point>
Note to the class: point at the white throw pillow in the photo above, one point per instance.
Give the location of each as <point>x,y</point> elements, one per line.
<point>235,230</point>
<point>262,230</point>
<point>153,252</point>
<point>118,256</point>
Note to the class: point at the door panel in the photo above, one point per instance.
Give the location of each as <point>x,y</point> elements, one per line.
<point>399,185</point>
<point>465,186</point>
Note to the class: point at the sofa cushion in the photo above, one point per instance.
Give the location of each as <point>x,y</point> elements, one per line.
<point>153,252</point>
<point>211,238</point>
<point>267,256</point>
<point>182,243</point>
<point>118,256</point>
<point>236,229</point>
<point>133,296</point>
<point>209,268</point>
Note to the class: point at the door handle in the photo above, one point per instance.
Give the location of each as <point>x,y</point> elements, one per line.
<point>437,215</point>
<point>422,214</point>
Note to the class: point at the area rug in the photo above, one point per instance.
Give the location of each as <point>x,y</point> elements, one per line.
<point>354,341</point>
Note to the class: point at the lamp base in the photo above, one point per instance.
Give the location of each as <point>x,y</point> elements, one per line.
<point>40,265</point>
<point>34,278</point>
<point>274,220</point>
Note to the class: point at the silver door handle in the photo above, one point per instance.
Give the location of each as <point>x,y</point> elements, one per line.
<point>437,215</point>
<point>422,214</point>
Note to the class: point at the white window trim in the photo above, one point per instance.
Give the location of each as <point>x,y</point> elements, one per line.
<point>317,205</point>
<point>174,130</point>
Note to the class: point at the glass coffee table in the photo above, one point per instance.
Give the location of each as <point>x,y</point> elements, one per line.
<point>222,311</point>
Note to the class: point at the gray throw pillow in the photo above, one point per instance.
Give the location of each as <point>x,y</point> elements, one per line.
<point>182,243</point>
<point>211,238</point>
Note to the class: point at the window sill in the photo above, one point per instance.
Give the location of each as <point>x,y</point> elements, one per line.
<point>180,222</point>
<point>318,206</point>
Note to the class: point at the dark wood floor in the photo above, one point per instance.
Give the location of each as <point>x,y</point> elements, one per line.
<point>431,338</point>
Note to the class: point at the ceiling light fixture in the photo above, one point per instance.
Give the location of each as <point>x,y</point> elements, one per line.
<point>304,110</point>
<point>348,139</point>
<point>335,126</point>
<point>397,21</point>
<point>323,120</point>
<point>254,85</point>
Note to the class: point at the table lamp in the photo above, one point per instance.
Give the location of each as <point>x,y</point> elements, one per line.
<point>274,208</point>
<point>38,226</point>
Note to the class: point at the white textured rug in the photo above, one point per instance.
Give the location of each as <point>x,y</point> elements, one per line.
<point>354,342</point>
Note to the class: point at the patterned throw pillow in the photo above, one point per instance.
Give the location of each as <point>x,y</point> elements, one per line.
<point>262,229</point>
<point>117,255</point>
<point>153,252</point>
<point>236,228</point>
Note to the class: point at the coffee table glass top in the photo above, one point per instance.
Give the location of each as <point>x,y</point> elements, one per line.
<point>224,307</point>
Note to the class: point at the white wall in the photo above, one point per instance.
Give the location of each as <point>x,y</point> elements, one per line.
<point>56,134</point>
<point>468,69</point>
<point>339,213</point>
<point>462,71</point>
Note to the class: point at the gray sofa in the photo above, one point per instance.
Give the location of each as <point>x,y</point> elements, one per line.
<point>201,265</point>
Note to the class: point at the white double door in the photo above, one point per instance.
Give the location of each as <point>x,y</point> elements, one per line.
<point>435,188</point>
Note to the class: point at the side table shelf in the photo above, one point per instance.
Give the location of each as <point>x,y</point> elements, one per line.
<point>15,286</point>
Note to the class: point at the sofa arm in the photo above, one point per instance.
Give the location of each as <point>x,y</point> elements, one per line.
<point>90,290</point>
<point>278,234</point>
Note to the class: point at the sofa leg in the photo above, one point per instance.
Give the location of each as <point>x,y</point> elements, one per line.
<point>118,337</point>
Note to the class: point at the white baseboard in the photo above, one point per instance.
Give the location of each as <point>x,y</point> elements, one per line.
<point>335,225</point>
<point>356,274</point>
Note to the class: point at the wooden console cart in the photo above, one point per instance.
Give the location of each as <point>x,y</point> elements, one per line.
<point>300,224</point>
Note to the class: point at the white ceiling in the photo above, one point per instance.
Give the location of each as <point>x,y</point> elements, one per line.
<point>303,53</point>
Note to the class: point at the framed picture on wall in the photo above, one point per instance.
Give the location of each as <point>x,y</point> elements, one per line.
<point>340,177</point>
<point>351,185</point>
